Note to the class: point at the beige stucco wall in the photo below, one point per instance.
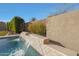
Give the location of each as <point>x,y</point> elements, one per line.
<point>64,28</point>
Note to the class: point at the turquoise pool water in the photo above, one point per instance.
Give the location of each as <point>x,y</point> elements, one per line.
<point>15,46</point>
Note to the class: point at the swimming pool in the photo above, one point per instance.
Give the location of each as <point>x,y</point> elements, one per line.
<point>15,46</point>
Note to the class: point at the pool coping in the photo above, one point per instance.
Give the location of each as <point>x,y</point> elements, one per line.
<point>9,36</point>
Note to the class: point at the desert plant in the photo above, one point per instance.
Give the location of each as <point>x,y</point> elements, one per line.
<point>37,28</point>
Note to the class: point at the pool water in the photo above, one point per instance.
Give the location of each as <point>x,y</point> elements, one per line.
<point>16,47</point>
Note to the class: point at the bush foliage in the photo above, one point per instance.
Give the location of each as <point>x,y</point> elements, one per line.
<point>37,28</point>
<point>16,25</point>
<point>2,33</point>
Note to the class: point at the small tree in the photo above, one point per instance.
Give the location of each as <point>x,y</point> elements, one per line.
<point>33,19</point>
<point>16,25</point>
<point>2,26</point>
<point>37,28</point>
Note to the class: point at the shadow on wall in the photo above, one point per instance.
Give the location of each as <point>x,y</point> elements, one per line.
<point>47,41</point>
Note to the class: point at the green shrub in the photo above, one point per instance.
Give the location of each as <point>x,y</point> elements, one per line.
<point>37,28</point>
<point>16,25</point>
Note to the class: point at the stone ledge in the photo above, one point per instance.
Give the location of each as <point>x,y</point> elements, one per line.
<point>8,36</point>
<point>46,50</point>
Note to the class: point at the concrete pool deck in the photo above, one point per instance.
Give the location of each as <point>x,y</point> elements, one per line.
<point>8,36</point>
<point>37,42</point>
